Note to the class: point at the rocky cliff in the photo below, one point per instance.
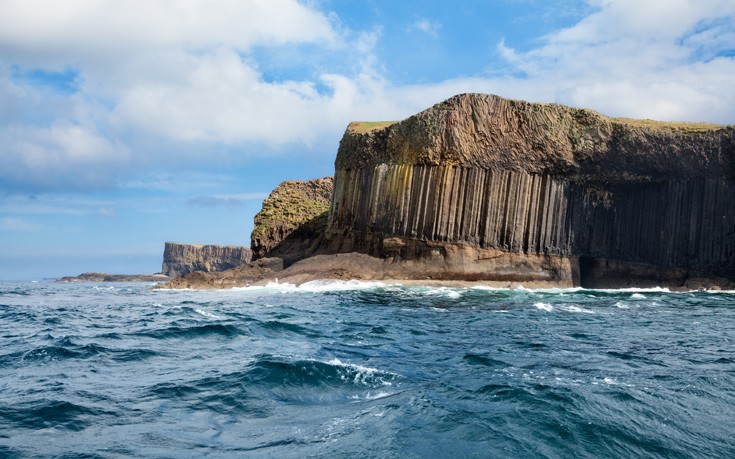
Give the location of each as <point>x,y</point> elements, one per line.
<point>487,188</point>
<point>292,220</point>
<point>179,259</point>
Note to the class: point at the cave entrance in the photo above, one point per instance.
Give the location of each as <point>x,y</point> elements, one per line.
<point>587,272</point>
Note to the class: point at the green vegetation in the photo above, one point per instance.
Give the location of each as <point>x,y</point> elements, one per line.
<point>291,204</point>
<point>680,126</point>
<point>363,127</point>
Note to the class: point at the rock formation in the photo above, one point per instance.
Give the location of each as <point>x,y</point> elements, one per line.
<point>105,277</point>
<point>481,188</point>
<point>179,259</point>
<point>292,220</point>
<point>485,188</point>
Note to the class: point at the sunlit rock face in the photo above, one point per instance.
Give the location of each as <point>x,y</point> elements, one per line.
<point>491,188</point>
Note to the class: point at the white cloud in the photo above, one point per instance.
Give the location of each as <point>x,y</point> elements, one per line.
<point>19,225</point>
<point>653,59</point>
<point>427,26</point>
<point>61,154</point>
<point>98,28</point>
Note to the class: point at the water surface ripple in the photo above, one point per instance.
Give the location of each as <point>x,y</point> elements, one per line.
<point>364,370</point>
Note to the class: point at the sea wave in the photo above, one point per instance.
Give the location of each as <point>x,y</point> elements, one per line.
<point>195,331</point>
<point>50,413</point>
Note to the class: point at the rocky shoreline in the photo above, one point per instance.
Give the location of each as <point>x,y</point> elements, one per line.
<point>105,277</point>
<point>362,267</point>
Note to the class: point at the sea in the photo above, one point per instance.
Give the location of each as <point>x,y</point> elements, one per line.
<point>363,370</point>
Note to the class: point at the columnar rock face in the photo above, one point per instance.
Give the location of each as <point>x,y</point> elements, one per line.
<point>179,259</point>
<point>292,220</point>
<point>621,200</point>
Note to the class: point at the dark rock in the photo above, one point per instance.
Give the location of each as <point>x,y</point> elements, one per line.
<point>537,180</point>
<point>242,275</point>
<point>179,259</point>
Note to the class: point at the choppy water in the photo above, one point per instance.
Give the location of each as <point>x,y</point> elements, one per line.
<point>340,370</point>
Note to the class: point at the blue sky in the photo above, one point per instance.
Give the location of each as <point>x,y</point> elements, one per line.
<point>125,124</point>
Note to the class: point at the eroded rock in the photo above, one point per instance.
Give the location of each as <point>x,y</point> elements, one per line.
<point>293,220</point>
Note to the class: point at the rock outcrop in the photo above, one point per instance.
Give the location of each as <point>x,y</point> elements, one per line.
<point>179,259</point>
<point>293,220</point>
<point>490,189</point>
<point>259,270</point>
<point>106,277</point>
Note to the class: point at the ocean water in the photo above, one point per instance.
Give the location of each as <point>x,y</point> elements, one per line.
<point>364,370</point>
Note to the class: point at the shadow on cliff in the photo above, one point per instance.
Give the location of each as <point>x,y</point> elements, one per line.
<point>302,242</point>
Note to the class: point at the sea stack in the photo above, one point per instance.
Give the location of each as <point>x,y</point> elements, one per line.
<point>479,187</point>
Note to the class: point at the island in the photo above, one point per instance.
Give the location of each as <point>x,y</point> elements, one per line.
<point>479,188</point>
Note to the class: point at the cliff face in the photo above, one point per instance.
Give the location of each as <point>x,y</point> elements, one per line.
<point>622,201</point>
<point>179,259</point>
<point>293,219</point>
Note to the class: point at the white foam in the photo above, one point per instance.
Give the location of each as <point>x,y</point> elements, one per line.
<point>577,309</point>
<point>372,396</point>
<point>544,306</point>
<point>452,293</point>
<point>338,285</point>
<point>315,286</point>
<point>361,372</point>
<point>486,287</point>
<point>553,290</point>
<point>638,296</point>
<point>207,314</point>
<point>635,290</point>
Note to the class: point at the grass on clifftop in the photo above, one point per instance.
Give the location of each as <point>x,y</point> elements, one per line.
<point>681,126</point>
<point>363,127</point>
<point>290,204</point>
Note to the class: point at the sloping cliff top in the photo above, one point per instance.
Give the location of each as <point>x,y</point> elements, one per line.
<point>294,206</point>
<point>490,132</point>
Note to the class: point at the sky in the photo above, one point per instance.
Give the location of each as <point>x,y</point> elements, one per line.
<point>125,124</point>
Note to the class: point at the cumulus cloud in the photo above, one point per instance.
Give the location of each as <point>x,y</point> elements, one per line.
<point>61,155</point>
<point>38,28</point>
<point>159,79</point>
<point>656,59</point>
